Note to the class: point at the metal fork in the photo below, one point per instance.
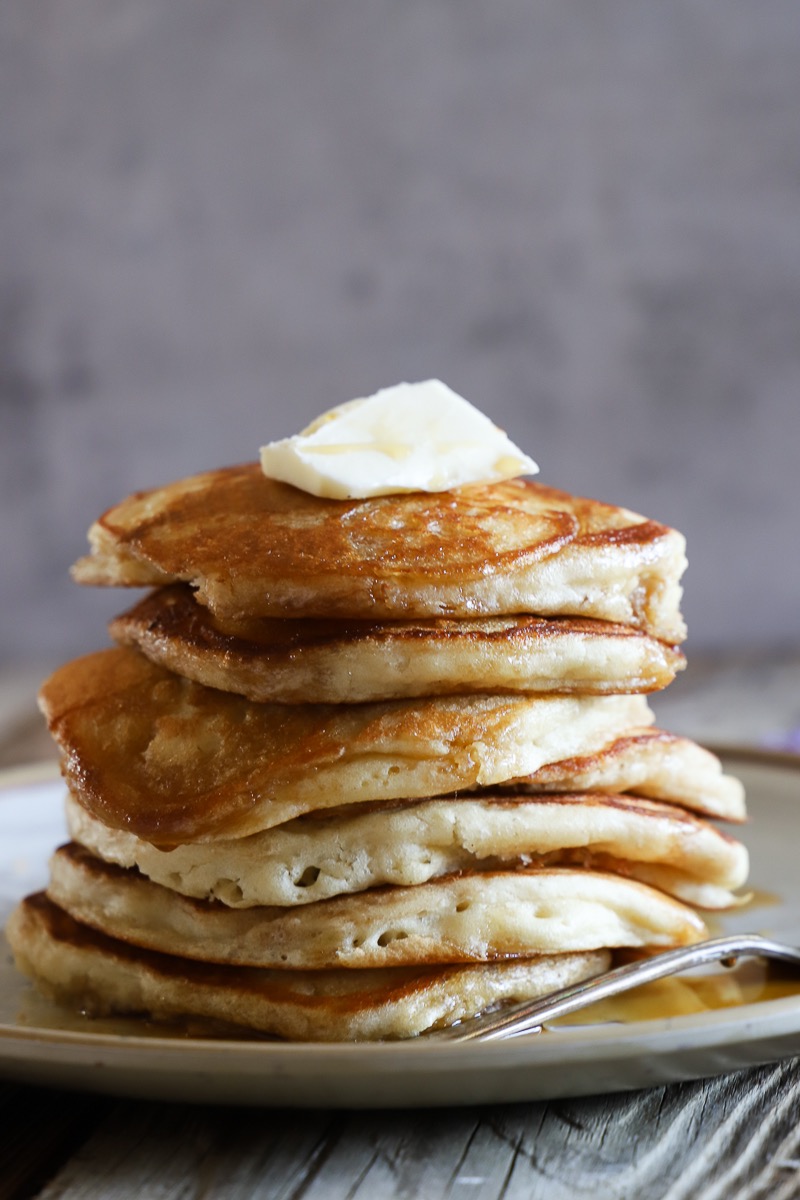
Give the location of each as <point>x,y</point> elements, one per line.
<point>529,1016</point>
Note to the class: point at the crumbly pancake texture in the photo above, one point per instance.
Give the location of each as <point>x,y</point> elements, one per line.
<point>253,547</point>
<point>364,846</point>
<point>173,761</point>
<point>649,762</point>
<point>477,917</point>
<point>348,662</point>
<point>98,975</point>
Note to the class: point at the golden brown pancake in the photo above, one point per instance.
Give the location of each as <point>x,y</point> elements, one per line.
<point>367,845</point>
<point>172,761</point>
<point>472,917</point>
<point>98,975</point>
<point>648,762</point>
<point>310,660</point>
<point>253,547</point>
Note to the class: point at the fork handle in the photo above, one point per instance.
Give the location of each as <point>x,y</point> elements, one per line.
<point>529,1016</point>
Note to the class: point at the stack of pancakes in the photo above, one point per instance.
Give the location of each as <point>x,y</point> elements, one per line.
<point>360,768</point>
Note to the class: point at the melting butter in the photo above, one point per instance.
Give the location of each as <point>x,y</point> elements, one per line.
<point>414,437</point>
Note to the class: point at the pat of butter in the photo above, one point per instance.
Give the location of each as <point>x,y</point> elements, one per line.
<point>415,437</point>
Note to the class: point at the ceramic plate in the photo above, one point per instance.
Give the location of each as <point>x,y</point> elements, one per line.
<point>41,1044</point>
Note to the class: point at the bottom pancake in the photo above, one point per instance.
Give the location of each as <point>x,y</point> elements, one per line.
<point>101,976</point>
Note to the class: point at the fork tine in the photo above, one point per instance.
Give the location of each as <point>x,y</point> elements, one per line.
<point>529,1016</point>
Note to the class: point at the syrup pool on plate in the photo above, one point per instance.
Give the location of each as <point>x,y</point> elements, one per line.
<point>752,981</point>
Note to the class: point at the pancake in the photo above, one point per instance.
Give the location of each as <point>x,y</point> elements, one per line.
<point>95,974</point>
<point>253,547</point>
<point>173,761</point>
<point>699,893</point>
<point>347,662</point>
<point>472,917</point>
<point>648,762</point>
<point>365,846</point>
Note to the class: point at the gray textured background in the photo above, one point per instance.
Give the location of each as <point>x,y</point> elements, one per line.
<point>219,217</point>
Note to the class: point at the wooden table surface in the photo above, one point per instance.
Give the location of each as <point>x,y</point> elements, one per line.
<point>736,1136</point>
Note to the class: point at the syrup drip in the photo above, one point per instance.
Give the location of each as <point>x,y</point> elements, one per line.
<point>757,898</point>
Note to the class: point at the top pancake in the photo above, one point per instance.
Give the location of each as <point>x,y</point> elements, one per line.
<point>253,547</point>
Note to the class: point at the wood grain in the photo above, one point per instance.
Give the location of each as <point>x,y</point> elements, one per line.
<point>732,1138</point>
